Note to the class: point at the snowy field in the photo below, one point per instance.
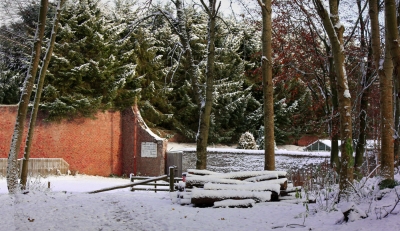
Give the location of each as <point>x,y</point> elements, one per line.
<point>67,206</point>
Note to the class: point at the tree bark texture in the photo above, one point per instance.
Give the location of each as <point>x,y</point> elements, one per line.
<point>205,109</point>
<point>387,120</point>
<point>396,92</point>
<point>335,30</point>
<point>268,88</point>
<point>335,123</point>
<point>13,168</point>
<point>39,89</point>
<point>387,157</point>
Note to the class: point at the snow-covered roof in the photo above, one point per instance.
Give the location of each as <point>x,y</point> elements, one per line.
<point>326,143</point>
<point>370,144</point>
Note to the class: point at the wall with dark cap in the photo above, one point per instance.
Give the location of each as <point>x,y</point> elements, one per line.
<point>135,132</point>
<point>101,146</point>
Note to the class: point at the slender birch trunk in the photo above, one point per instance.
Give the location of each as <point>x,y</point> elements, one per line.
<point>12,167</point>
<point>42,75</point>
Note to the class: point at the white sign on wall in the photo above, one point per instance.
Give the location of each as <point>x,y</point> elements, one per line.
<point>149,149</point>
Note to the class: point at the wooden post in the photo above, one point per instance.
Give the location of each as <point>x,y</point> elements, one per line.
<point>132,180</point>
<point>171,178</point>
<point>155,186</point>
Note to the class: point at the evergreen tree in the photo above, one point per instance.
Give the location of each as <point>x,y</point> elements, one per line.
<point>247,141</point>
<point>85,74</point>
<point>233,100</point>
<point>153,44</point>
<point>291,110</point>
<point>15,48</point>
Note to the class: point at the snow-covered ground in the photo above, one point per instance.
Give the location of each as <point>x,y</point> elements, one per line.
<point>67,206</point>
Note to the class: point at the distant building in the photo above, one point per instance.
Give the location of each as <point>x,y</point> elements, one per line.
<point>325,145</point>
<point>320,146</point>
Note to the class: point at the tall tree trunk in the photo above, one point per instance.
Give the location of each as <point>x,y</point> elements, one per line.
<point>335,34</point>
<point>13,168</point>
<point>268,88</point>
<point>42,75</point>
<point>376,42</point>
<point>396,92</point>
<point>205,109</point>
<point>335,123</point>
<point>364,102</point>
<point>387,120</point>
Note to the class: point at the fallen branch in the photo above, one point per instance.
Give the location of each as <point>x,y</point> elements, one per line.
<point>394,206</point>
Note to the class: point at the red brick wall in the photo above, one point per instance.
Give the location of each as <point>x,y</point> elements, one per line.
<point>90,146</point>
<point>109,144</point>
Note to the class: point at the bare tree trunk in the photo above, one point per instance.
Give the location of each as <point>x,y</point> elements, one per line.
<point>335,34</point>
<point>364,102</point>
<point>12,168</point>
<point>375,42</point>
<point>43,69</point>
<point>335,123</point>
<point>205,110</point>
<point>396,92</point>
<point>387,120</point>
<point>268,88</point>
<point>392,34</point>
<point>362,136</point>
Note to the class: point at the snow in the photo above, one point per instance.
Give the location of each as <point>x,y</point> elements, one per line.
<point>261,196</point>
<point>275,187</point>
<point>227,203</point>
<point>347,94</point>
<point>66,206</point>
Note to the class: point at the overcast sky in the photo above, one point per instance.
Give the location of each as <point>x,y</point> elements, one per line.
<point>226,5</point>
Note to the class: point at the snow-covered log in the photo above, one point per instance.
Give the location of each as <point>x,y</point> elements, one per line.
<point>202,197</point>
<point>246,203</point>
<point>199,181</point>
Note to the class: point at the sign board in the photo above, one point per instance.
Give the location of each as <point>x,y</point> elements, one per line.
<point>149,149</point>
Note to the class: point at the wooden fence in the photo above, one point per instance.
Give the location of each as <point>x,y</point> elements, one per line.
<point>40,166</point>
<point>166,183</point>
<point>157,185</point>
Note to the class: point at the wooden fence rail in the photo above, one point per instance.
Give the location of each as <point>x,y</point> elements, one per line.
<point>146,181</point>
<point>157,185</point>
<point>40,166</point>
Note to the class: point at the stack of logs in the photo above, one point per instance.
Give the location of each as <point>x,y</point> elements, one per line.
<point>237,189</point>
